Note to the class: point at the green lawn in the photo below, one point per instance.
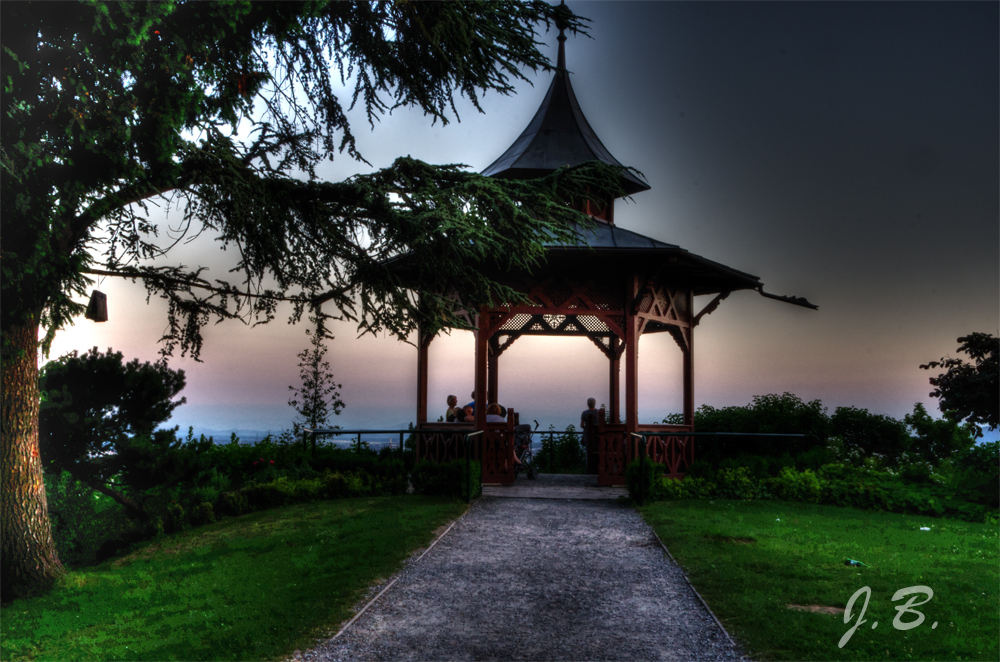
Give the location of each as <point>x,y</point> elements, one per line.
<point>751,559</point>
<point>248,588</point>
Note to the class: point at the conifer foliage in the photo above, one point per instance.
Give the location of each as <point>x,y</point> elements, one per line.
<point>228,108</point>
<point>317,399</point>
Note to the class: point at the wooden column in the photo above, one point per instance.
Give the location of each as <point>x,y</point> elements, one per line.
<point>482,364</point>
<point>615,388</point>
<point>689,365</point>
<point>493,375</point>
<point>631,357</point>
<point>423,342</point>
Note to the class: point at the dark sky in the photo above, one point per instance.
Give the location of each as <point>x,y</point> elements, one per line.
<point>846,152</point>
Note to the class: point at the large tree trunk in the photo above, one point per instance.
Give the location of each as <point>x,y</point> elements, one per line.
<point>29,564</point>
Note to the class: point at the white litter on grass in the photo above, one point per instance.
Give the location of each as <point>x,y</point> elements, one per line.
<point>778,520</point>
<point>925,528</point>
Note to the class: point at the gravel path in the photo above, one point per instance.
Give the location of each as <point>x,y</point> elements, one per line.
<point>534,579</point>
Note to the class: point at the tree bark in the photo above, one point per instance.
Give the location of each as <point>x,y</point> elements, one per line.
<point>29,564</point>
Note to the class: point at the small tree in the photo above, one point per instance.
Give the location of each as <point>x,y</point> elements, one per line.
<point>98,421</point>
<point>318,398</point>
<point>970,391</point>
<point>865,434</point>
<point>937,439</point>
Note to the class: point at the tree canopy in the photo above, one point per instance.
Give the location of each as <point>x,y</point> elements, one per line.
<point>109,105</point>
<point>970,391</point>
<point>228,108</point>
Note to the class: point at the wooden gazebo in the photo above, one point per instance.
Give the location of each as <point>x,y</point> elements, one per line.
<point>612,286</point>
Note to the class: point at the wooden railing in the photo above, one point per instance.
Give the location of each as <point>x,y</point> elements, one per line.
<point>498,454</point>
<point>613,452</point>
<point>668,445</point>
<point>494,448</point>
<point>444,445</point>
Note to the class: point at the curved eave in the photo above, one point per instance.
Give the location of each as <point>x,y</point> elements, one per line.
<point>607,248</point>
<point>694,272</point>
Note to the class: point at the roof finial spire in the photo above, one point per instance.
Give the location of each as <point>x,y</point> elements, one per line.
<point>561,23</point>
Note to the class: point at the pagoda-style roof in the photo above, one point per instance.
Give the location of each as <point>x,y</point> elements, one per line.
<point>558,135</point>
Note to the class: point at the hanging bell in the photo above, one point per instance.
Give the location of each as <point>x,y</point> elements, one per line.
<point>97,309</point>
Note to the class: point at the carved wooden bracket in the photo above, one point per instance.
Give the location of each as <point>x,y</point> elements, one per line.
<point>710,308</point>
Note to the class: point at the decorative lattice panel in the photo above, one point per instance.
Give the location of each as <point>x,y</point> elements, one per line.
<point>675,451</point>
<point>613,457</point>
<point>440,447</point>
<point>498,457</point>
<point>680,303</point>
<point>592,324</point>
<point>516,322</point>
<point>558,292</point>
<point>606,298</point>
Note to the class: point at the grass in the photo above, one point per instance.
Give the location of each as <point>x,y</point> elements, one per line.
<point>751,559</point>
<point>249,588</point>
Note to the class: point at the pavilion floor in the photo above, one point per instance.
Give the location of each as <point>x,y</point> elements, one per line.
<point>555,486</point>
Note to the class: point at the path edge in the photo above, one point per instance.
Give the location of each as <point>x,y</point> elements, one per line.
<point>688,581</point>
<point>398,574</point>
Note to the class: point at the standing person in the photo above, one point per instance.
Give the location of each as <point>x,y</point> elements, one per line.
<point>589,420</point>
<point>472,404</point>
<point>449,415</point>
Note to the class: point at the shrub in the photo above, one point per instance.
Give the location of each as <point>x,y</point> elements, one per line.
<point>176,517</point>
<point>776,414</point>
<point>882,490</point>
<point>342,485</point>
<point>445,479</point>
<point>81,518</point>
<point>698,488</point>
<point>792,485</point>
<point>283,491</point>
<point>736,484</point>
<point>234,503</point>
<point>976,475</point>
<point>916,471</point>
<point>758,466</point>
<point>562,454</point>
<point>643,478</point>
<point>864,434</point>
<point>203,513</point>
<point>670,489</point>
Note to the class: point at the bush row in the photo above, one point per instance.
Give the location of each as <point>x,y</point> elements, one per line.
<point>852,435</point>
<point>89,527</point>
<point>832,484</point>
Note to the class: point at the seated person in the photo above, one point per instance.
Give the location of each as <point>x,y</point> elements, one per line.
<point>495,414</point>
<point>449,415</point>
<point>470,414</point>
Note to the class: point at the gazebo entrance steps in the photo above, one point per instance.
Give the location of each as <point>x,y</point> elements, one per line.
<point>555,486</point>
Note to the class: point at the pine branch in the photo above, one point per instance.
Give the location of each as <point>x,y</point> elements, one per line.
<point>150,274</point>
